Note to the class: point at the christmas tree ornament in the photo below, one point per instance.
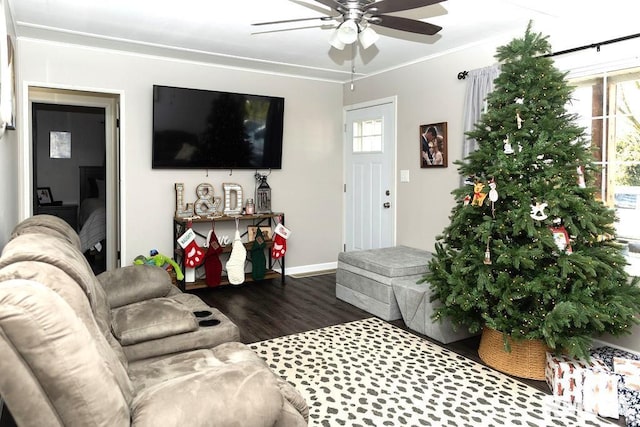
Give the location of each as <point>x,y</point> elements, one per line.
<point>508,149</point>
<point>493,197</point>
<point>478,194</point>
<point>561,238</point>
<point>470,180</point>
<point>493,193</point>
<point>519,120</point>
<point>487,254</point>
<point>466,200</point>
<point>581,182</point>
<point>519,101</point>
<point>537,211</point>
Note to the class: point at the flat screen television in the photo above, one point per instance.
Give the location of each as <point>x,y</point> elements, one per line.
<point>202,129</point>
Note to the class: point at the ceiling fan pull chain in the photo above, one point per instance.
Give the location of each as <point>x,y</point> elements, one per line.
<point>353,65</point>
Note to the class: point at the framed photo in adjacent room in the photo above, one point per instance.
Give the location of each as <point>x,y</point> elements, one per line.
<point>44,196</point>
<point>433,145</point>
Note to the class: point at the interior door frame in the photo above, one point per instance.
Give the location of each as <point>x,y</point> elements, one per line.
<point>111,102</point>
<point>394,163</point>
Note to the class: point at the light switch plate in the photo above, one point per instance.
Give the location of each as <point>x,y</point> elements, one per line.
<point>404,175</point>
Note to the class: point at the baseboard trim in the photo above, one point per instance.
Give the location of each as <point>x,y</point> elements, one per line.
<point>306,269</point>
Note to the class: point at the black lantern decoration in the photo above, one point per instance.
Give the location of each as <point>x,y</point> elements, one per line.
<point>263,195</point>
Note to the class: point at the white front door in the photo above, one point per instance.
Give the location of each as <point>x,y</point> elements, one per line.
<point>369,152</point>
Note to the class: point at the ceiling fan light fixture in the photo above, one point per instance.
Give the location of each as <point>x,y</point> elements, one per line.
<point>368,37</point>
<point>348,31</point>
<point>334,40</point>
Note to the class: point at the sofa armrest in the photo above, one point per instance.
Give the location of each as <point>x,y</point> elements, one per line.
<point>134,283</point>
<point>242,394</point>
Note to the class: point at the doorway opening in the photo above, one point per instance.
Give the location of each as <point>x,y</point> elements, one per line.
<point>75,167</point>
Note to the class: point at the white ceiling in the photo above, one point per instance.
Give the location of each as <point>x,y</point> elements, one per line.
<point>221,31</point>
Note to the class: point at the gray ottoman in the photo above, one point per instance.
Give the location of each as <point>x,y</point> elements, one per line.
<point>365,278</point>
<point>413,300</point>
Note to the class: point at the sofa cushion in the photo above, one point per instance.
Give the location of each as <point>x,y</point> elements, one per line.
<point>135,283</point>
<point>240,394</point>
<point>63,285</point>
<point>47,224</point>
<point>52,346</point>
<point>151,319</point>
<point>51,250</point>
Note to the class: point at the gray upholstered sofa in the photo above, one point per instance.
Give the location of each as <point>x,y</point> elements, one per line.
<point>61,363</point>
<point>146,313</point>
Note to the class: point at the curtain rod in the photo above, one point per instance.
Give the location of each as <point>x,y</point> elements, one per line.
<point>463,74</point>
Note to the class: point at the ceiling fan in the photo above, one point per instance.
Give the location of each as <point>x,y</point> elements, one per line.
<point>355,18</point>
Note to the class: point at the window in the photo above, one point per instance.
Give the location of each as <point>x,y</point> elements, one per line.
<point>367,136</point>
<point>608,105</point>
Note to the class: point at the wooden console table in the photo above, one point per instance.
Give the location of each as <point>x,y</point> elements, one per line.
<point>266,220</point>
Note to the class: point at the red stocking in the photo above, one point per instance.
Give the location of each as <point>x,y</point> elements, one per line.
<point>193,254</point>
<point>279,247</point>
<point>212,264</point>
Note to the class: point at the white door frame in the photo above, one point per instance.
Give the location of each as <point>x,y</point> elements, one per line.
<point>112,104</point>
<point>394,182</point>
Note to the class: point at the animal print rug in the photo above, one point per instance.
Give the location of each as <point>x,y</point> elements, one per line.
<point>371,373</point>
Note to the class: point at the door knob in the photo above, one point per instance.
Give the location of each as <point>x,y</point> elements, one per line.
<point>386,205</point>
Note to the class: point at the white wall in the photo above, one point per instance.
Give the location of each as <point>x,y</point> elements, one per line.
<point>9,188</point>
<point>9,185</point>
<point>429,92</point>
<point>307,188</point>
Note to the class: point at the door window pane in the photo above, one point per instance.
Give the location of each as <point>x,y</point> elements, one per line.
<point>367,136</point>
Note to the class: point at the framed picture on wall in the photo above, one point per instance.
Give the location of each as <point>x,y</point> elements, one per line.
<point>252,230</point>
<point>433,145</point>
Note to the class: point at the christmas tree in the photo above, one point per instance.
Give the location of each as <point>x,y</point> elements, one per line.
<point>530,250</point>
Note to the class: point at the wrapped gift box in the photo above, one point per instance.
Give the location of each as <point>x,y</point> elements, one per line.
<point>627,366</point>
<point>600,392</point>
<point>629,390</point>
<point>630,369</point>
<point>565,376</point>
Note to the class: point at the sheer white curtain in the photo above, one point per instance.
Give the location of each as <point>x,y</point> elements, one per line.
<point>479,85</point>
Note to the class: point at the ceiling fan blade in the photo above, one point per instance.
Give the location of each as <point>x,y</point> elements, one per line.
<point>405,24</point>
<point>388,6</point>
<point>333,4</point>
<point>285,21</point>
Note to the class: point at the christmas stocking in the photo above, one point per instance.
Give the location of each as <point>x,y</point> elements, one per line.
<point>193,254</point>
<point>258,259</point>
<point>279,241</point>
<point>235,264</point>
<point>212,264</point>
<point>279,247</point>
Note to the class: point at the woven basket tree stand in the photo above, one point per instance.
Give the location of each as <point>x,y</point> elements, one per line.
<point>527,358</point>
